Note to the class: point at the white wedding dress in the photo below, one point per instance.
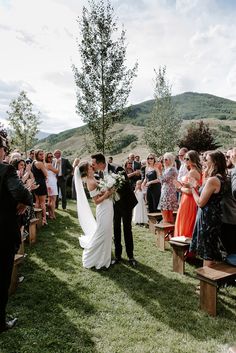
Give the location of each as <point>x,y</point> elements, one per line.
<point>97,238</point>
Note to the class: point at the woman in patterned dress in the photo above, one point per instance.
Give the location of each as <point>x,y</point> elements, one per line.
<point>168,200</point>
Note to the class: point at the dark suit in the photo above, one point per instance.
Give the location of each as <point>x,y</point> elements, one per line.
<point>66,170</point>
<point>123,211</point>
<point>136,166</point>
<point>12,192</point>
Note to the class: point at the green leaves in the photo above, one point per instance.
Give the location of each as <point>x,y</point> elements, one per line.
<point>103,81</point>
<point>23,121</point>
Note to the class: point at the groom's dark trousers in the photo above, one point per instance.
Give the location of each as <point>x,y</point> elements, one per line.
<point>123,212</point>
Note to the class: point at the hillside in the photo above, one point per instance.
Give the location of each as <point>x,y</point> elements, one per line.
<point>189,105</point>
<point>220,113</point>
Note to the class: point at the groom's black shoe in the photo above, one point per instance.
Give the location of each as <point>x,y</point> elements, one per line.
<point>115,261</point>
<point>133,262</point>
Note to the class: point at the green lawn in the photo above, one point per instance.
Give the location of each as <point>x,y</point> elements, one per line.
<point>65,308</point>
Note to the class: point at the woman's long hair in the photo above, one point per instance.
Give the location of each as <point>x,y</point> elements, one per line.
<point>195,160</point>
<point>219,164</point>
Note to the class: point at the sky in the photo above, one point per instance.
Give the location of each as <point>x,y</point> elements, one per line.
<point>194,39</point>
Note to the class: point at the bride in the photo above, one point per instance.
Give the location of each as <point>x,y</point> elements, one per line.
<point>97,238</point>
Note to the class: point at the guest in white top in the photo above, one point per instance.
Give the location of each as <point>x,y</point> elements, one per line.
<point>183,169</point>
<point>51,184</point>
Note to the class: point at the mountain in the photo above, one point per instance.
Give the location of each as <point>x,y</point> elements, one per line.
<point>42,135</point>
<point>219,112</point>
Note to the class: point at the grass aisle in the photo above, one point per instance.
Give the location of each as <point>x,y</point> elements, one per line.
<point>65,308</point>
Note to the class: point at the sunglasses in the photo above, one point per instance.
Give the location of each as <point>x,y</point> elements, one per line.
<point>186,159</point>
<point>227,157</point>
<point>166,159</point>
<point>150,158</point>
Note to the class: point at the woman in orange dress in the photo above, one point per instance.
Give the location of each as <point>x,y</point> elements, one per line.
<point>187,210</point>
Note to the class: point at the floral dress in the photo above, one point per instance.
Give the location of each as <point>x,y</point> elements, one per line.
<point>206,235</point>
<point>168,200</point>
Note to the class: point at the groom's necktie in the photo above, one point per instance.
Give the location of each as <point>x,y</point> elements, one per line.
<point>101,175</point>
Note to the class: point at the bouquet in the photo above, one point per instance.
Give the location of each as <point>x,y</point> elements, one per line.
<point>112,181</point>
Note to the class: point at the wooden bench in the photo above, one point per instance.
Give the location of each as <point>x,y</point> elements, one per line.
<point>210,278</point>
<point>179,249</point>
<point>161,231</point>
<point>14,277</point>
<point>153,218</point>
<point>39,216</point>
<point>33,230</point>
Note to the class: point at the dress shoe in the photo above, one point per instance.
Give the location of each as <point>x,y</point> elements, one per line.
<point>8,325</point>
<point>115,261</point>
<point>133,262</point>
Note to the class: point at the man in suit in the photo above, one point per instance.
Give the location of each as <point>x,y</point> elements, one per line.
<point>136,166</point>
<point>14,198</point>
<point>122,209</point>
<point>65,169</point>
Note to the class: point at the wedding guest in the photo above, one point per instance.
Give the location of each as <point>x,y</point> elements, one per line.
<point>183,169</point>
<point>136,166</point>
<point>168,199</point>
<point>40,174</point>
<point>13,200</point>
<point>130,173</point>
<point>51,184</point>
<point>31,157</point>
<point>228,234</point>
<point>65,169</point>
<point>110,160</point>
<point>140,211</point>
<point>152,182</point>
<point>187,211</point>
<point>207,231</point>
<point>233,172</point>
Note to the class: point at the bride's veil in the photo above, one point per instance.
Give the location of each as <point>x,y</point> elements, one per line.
<point>85,216</point>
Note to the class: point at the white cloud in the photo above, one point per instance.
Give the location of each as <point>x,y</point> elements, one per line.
<point>195,39</point>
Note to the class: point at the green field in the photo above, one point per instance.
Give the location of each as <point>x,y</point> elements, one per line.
<point>65,308</point>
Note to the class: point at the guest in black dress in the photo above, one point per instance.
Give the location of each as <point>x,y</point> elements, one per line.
<point>207,231</point>
<point>152,183</point>
<point>40,174</point>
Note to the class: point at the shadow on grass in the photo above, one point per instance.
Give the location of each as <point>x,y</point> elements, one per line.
<point>61,238</point>
<point>49,314</point>
<point>162,298</point>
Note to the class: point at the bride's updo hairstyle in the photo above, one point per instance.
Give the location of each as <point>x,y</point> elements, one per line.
<point>83,168</point>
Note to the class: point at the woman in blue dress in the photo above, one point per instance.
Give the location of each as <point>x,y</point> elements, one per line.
<point>207,231</point>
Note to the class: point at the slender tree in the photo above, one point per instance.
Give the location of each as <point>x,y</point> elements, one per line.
<point>199,137</point>
<point>103,81</point>
<point>23,122</point>
<point>161,131</point>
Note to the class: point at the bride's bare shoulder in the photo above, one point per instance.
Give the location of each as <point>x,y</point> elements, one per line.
<point>92,184</point>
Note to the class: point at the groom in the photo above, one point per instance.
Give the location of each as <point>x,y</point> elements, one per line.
<point>122,209</point>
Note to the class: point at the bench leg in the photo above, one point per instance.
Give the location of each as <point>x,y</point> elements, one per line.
<point>160,241</point>
<point>178,260</point>
<point>32,233</point>
<point>151,226</point>
<point>38,215</point>
<point>208,297</point>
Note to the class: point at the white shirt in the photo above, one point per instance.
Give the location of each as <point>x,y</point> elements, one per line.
<point>182,171</point>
